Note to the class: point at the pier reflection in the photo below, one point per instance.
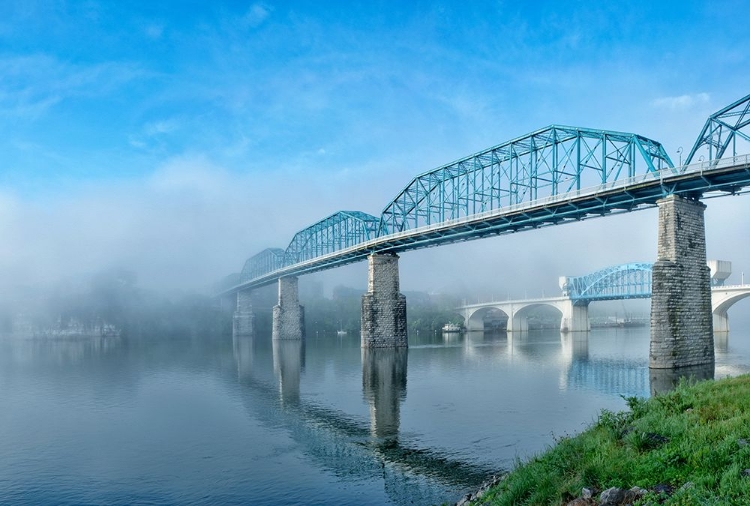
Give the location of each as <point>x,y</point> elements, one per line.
<point>244,353</point>
<point>340,441</point>
<point>288,362</point>
<point>721,342</point>
<point>574,346</point>
<point>384,388</point>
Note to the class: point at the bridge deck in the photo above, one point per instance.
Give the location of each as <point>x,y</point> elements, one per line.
<point>729,175</point>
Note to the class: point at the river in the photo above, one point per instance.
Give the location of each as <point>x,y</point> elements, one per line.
<point>218,420</point>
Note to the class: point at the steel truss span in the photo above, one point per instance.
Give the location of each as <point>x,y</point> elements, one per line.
<point>268,260</point>
<point>545,163</point>
<point>339,231</point>
<point>627,281</point>
<point>551,176</point>
<point>723,129</point>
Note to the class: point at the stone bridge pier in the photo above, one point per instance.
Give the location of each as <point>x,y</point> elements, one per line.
<point>288,315</point>
<point>242,320</point>
<point>681,320</point>
<point>383,307</point>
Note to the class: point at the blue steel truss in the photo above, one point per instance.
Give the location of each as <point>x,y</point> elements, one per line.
<point>627,281</point>
<point>544,163</point>
<point>268,260</point>
<point>339,231</point>
<point>551,176</point>
<point>722,129</point>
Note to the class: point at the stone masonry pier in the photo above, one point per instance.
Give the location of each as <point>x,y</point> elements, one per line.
<point>242,321</point>
<point>288,315</point>
<point>681,320</point>
<point>383,307</point>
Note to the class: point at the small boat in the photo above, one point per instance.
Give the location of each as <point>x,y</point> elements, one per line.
<point>341,333</point>
<point>451,327</point>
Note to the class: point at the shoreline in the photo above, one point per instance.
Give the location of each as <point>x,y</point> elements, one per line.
<point>687,446</point>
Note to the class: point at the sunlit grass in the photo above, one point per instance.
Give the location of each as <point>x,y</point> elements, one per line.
<point>695,440</point>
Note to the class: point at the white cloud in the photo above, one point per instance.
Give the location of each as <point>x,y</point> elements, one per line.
<point>31,85</point>
<point>256,15</point>
<point>154,31</point>
<point>161,127</point>
<point>682,102</point>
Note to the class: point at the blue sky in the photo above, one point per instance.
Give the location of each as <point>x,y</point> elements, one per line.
<point>145,134</point>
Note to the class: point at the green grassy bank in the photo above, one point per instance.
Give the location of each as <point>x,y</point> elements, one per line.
<point>690,446</point>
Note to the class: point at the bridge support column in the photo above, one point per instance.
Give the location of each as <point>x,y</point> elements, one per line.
<point>721,322</point>
<point>681,320</point>
<point>242,320</point>
<point>575,318</point>
<point>288,315</point>
<point>383,307</point>
<point>517,322</point>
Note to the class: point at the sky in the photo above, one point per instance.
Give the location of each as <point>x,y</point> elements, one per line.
<point>176,139</point>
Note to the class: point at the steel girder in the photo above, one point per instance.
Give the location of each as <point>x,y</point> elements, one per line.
<point>627,281</point>
<point>339,231</point>
<point>722,130</point>
<point>545,163</point>
<point>268,260</point>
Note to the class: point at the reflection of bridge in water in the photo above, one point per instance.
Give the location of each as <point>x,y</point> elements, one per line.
<point>619,376</point>
<point>343,443</point>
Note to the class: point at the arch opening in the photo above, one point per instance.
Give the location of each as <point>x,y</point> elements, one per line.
<point>537,317</point>
<point>488,319</point>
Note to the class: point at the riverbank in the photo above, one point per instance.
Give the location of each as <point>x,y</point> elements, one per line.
<point>690,446</point>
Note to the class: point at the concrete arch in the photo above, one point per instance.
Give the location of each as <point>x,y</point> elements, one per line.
<point>721,301</point>
<point>474,317</point>
<point>575,316</point>
<point>520,321</point>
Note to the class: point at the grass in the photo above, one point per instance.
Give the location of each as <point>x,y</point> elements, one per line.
<point>694,440</point>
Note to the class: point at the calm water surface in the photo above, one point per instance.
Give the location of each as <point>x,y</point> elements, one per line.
<point>239,421</point>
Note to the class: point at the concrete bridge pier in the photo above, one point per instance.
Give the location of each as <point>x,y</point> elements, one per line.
<point>242,320</point>
<point>383,307</point>
<point>575,317</point>
<point>517,322</point>
<point>288,315</point>
<point>681,319</point>
<point>721,322</point>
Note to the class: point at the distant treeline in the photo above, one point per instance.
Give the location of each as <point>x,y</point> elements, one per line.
<point>113,300</point>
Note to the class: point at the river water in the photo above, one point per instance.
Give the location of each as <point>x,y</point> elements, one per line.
<point>250,421</point>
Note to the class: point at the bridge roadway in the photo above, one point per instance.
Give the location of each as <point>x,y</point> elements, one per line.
<point>575,313</point>
<point>729,175</point>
